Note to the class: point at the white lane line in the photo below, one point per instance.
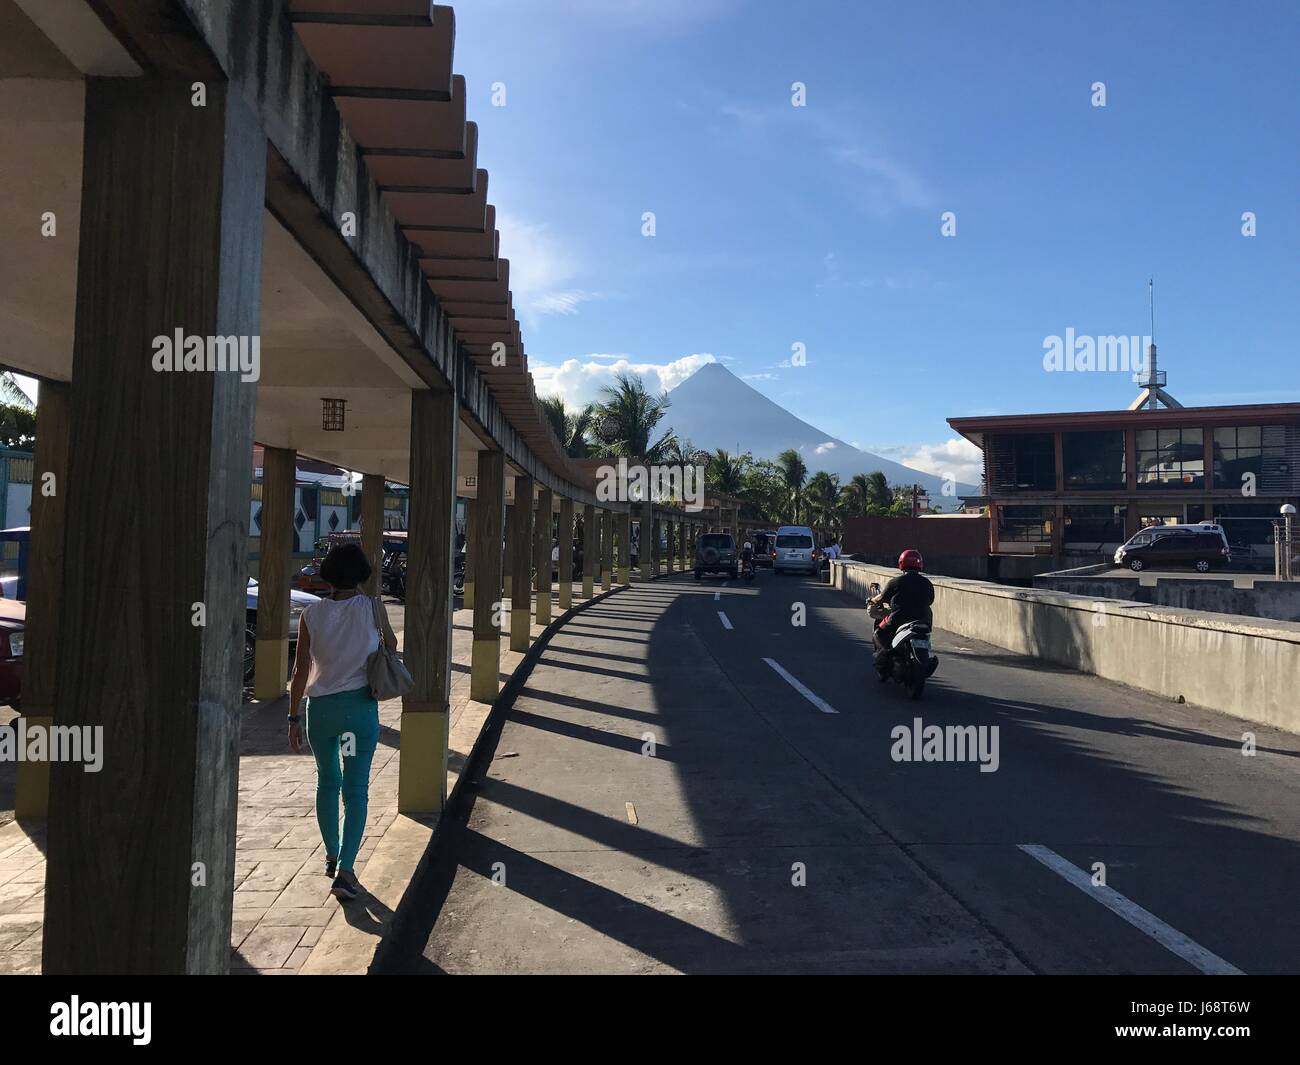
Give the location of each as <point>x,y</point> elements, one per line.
<point>726,621</point>
<point>717,596</point>
<point>1143,920</point>
<point>802,689</point>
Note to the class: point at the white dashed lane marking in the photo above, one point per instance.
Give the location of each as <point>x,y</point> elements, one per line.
<point>802,688</point>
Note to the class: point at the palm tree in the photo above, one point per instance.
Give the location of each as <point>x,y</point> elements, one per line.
<point>12,393</point>
<point>822,496</point>
<point>855,496</point>
<point>626,419</point>
<point>572,427</point>
<point>794,472</point>
<point>726,472</point>
<point>879,496</point>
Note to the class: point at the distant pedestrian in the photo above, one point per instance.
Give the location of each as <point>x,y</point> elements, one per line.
<point>336,638</point>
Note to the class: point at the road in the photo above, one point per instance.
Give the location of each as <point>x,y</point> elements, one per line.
<point>766,833</point>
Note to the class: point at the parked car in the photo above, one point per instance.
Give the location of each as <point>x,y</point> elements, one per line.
<point>795,550</point>
<point>298,602</point>
<point>716,553</point>
<point>1201,546</point>
<point>764,544</point>
<point>308,579</point>
<point>13,624</point>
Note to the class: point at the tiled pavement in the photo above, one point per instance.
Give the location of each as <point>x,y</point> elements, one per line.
<point>282,900</point>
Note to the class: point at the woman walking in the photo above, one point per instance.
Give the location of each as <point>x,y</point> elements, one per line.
<point>336,638</point>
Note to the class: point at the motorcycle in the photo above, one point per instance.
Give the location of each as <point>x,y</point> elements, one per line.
<point>748,570</point>
<point>908,660</point>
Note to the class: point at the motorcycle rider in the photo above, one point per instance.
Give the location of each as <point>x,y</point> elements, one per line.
<point>909,597</point>
<point>747,557</point>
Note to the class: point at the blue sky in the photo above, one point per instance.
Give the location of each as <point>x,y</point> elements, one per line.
<point>820,225</point>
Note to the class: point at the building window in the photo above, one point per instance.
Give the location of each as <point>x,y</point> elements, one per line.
<point>1247,524</point>
<point>1035,461</point>
<point>1242,450</point>
<point>1094,526</point>
<point>1025,524</point>
<point>1094,460</point>
<point>1170,458</point>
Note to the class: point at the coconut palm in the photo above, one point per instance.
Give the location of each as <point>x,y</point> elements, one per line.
<point>794,472</point>
<point>626,419</point>
<point>822,498</point>
<point>726,472</point>
<point>571,426</point>
<point>12,393</point>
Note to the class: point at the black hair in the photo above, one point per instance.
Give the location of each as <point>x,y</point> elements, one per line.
<point>345,566</point>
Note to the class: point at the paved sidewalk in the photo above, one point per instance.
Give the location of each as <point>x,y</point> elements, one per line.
<point>282,903</point>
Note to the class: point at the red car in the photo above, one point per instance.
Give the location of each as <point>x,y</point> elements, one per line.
<point>13,623</point>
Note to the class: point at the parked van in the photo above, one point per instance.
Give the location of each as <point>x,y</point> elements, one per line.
<point>795,549</point>
<point>1201,546</point>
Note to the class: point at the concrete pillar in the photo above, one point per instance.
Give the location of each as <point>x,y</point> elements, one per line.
<point>485,546</point>
<point>590,550</point>
<point>565,577</point>
<point>606,550</point>
<point>521,562</point>
<point>44,588</point>
<point>655,551</point>
<point>426,638</point>
<point>467,600</point>
<point>625,547</point>
<point>683,544</point>
<point>372,529</point>
<point>543,537</point>
<point>670,547</point>
<point>275,551</point>
<point>172,214</point>
<point>645,554</point>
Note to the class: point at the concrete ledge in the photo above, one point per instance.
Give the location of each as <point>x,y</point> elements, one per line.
<point>358,935</point>
<point>1238,665</point>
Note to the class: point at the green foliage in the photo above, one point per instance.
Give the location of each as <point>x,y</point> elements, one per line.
<point>572,427</point>
<point>634,414</point>
<point>17,426</point>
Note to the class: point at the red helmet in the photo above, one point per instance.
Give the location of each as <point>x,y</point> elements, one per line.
<point>911,559</point>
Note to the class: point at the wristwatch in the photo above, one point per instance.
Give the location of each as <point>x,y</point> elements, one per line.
<point>293,718</point>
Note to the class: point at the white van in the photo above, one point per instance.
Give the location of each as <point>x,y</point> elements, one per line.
<point>795,549</point>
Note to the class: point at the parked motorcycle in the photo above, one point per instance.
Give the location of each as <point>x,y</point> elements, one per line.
<point>907,662</point>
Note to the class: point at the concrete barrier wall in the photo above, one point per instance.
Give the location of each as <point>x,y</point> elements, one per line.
<point>1275,600</point>
<point>1242,666</point>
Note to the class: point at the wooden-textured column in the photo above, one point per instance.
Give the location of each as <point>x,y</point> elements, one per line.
<point>645,540</point>
<point>521,559</point>
<point>543,538</point>
<point>275,553</point>
<point>426,638</point>
<point>372,529</point>
<point>40,685</point>
<point>624,547</point>
<point>507,578</point>
<point>656,552</point>
<point>140,860</point>
<point>566,553</point>
<point>606,550</point>
<point>467,600</point>
<point>485,546</point>
<point>670,551</point>
<point>590,550</point>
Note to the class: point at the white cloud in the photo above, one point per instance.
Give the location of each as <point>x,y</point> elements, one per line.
<point>957,458</point>
<point>541,270</point>
<point>826,448</point>
<point>758,377</point>
<point>579,381</point>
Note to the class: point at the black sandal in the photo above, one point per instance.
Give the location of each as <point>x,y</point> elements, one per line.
<point>331,866</point>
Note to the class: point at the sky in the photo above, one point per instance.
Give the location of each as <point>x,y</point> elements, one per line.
<point>822,225</point>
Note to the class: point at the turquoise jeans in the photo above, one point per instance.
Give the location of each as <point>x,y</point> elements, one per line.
<point>343,726</point>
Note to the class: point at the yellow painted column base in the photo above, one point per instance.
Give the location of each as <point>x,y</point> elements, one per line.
<point>544,607</point>
<point>566,595</point>
<point>607,580</point>
<point>485,669</point>
<point>521,628</point>
<point>624,575</point>
<point>588,587</point>
<point>467,600</point>
<point>669,566</point>
<point>270,668</point>
<point>422,760</point>
<point>32,784</point>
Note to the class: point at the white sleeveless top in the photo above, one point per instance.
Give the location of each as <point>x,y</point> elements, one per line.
<point>343,637</point>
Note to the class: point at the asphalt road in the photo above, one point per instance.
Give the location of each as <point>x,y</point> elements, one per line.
<point>765,833</point>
